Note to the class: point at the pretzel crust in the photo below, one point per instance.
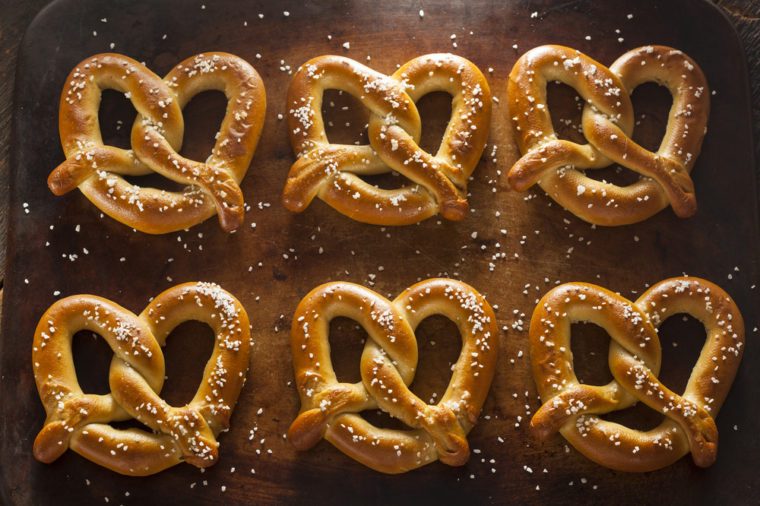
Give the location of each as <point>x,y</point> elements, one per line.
<point>98,170</point>
<point>571,407</point>
<point>607,121</point>
<point>331,410</point>
<point>332,171</point>
<point>80,421</point>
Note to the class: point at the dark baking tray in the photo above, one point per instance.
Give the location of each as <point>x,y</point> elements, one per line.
<point>543,244</point>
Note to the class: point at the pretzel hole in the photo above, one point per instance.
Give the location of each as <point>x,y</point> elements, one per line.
<point>154,180</point>
<point>651,103</point>
<point>637,417</point>
<point>565,106</point>
<point>438,346</point>
<point>682,338</point>
<point>347,340</point>
<point>188,348</point>
<point>92,360</point>
<point>345,118</point>
<point>590,346</point>
<point>203,118</point>
<point>435,113</point>
<point>116,116</point>
<point>383,420</point>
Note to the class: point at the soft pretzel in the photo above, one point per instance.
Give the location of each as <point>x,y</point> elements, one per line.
<point>80,421</point>
<point>332,410</point>
<point>333,172</point>
<point>572,408</point>
<point>97,169</point>
<point>557,164</point>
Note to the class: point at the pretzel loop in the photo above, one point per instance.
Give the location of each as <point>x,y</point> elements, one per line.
<point>331,410</point>
<point>607,120</point>
<point>634,359</point>
<point>332,172</point>
<point>212,186</point>
<point>80,421</point>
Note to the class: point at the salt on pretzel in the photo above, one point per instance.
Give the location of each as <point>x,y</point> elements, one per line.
<point>333,172</point>
<point>80,421</point>
<point>608,120</point>
<point>572,408</point>
<point>97,169</point>
<point>332,410</point>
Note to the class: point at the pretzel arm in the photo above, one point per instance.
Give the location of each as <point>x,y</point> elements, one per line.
<point>548,158</point>
<point>75,170</point>
<point>316,169</point>
<point>151,146</point>
<point>672,176</point>
<point>147,209</point>
<point>695,421</point>
<point>566,406</point>
<point>138,453</point>
<point>624,449</point>
<point>367,203</point>
<point>311,424</point>
<point>420,167</point>
<point>384,450</point>
<point>451,419</point>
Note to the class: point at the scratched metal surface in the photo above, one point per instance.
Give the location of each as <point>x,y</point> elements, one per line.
<point>270,267</point>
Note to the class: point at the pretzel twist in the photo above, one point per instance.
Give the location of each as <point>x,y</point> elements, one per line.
<point>571,407</point>
<point>333,172</point>
<point>607,121</point>
<point>331,409</point>
<point>80,421</point>
<point>211,186</point>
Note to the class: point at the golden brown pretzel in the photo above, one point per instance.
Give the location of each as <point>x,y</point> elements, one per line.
<point>97,169</point>
<point>557,164</point>
<point>331,410</point>
<point>570,407</point>
<point>332,171</point>
<point>80,421</point>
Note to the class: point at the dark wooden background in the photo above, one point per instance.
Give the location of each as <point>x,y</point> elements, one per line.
<point>708,245</point>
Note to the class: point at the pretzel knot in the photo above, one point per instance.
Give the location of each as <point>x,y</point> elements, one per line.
<point>331,410</point>
<point>607,121</point>
<point>211,186</point>
<point>80,421</point>
<point>333,172</point>
<point>572,408</point>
